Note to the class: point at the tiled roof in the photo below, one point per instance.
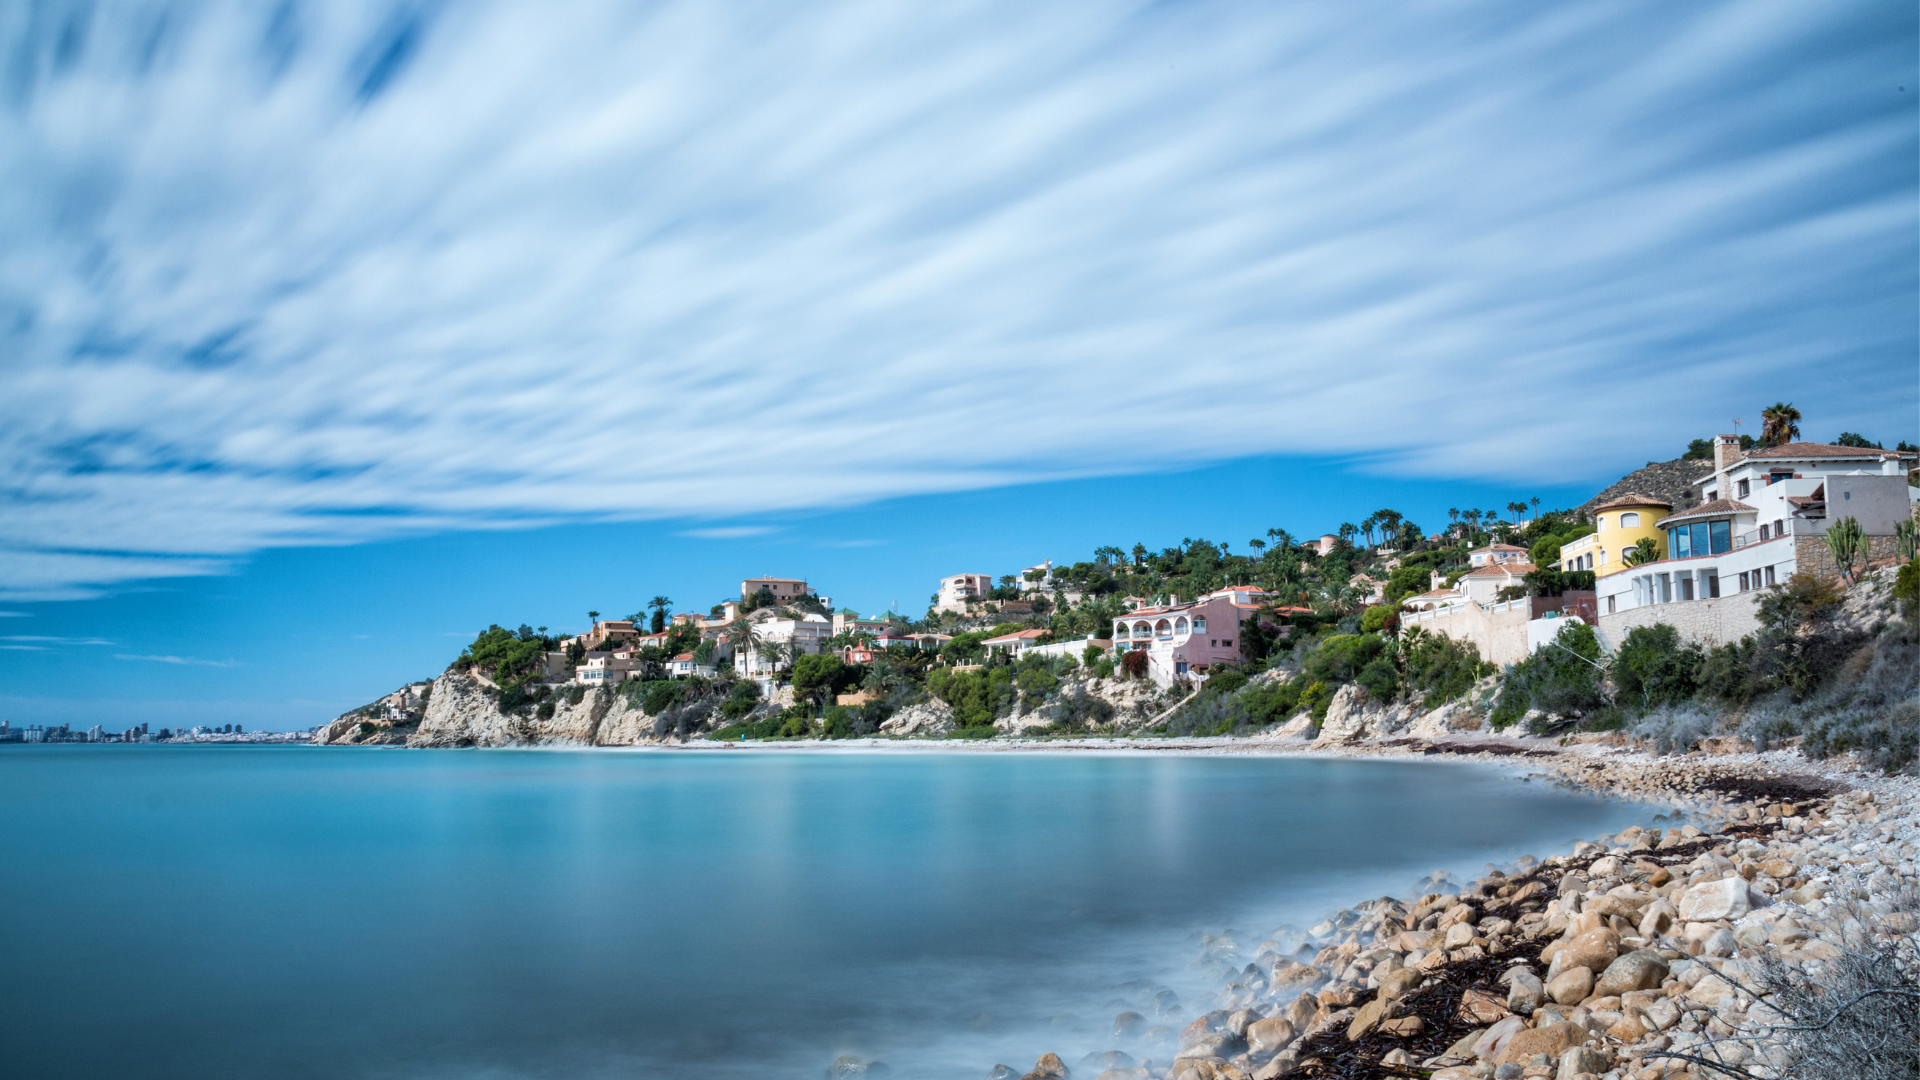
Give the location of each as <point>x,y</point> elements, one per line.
<point>1625,501</point>
<point>683,656</point>
<point>1793,450</point>
<point>1716,507</point>
<point>1017,635</point>
<point>1502,568</point>
<point>1496,547</point>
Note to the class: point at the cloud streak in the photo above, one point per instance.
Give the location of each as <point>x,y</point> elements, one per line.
<point>184,660</point>
<point>352,271</point>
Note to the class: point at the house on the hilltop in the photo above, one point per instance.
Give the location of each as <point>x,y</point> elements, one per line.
<point>1185,640</point>
<point>1618,526</point>
<point>1495,553</point>
<point>1763,517</point>
<point>607,631</point>
<point>1016,643</point>
<point>783,589</point>
<point>958,591</point>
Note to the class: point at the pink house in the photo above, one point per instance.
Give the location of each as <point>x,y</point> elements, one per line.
<point>1184,640</point>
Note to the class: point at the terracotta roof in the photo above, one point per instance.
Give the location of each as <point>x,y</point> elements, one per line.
<point>1497,547</point>
<point>1634,500</point>
<point>1794,450</point>
<point>1017,635</point>
<point>683,656</point>
<point>1717,506</point>
<point>1502,568</point>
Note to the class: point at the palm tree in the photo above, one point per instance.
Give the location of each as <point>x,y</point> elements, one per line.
<point>595,616</point>
<point>661,607</point>
<point>1453,517</point>
<point>1779,423</point>
<point>772,653</point>
<point>1536,505</point>
<point>743,635</point>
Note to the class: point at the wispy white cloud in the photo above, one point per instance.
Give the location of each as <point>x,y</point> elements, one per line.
<point>25,648</point>
<point>13,614</point>
<point>728,532</point>
<point>57,640</point>
<point>322,273</point>
<point>188,660</point>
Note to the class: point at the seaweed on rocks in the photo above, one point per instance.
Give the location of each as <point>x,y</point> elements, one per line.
<point>1772,789</point>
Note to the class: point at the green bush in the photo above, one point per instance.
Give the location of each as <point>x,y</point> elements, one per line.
<point>1906,589</point>
<point>1381,679</point>
<point>576,694</point>
<point>1340,658</point>
<point>741,699</point>
<point>1653,668</point>
<point>1440,667</point>
<point>977,697</point>
<point>837,723</point>
<point>1561,681</point>
<point>1375,618</point>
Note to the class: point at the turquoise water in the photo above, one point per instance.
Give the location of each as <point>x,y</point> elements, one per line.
<point>213,912</point>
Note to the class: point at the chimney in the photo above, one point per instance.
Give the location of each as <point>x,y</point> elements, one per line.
<point>1726,451</point>
<point>1434,580</point>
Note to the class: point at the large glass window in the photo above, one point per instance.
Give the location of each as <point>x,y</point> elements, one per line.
<point>1722,532</point>
<point>1677,542</point>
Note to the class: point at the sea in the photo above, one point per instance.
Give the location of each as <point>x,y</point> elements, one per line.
<point>284,911</point>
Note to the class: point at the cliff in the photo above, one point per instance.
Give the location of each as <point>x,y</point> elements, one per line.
<point>464,711</point>
<point>1669,481</point>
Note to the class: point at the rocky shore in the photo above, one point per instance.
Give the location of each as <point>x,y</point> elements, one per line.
<point>1670,949</point>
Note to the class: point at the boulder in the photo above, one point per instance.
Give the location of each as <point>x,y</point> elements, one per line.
<point>1657,919</point>
<point>1720,943</point>
<point>1459,936</point>
<point>1641,969</point>
<point>1135,1073</point>
<point>1371,1014</point>
<point>1129,1025</point>
<point>1493,1043</point>
<point>1003,1072</point>
<point>1482,1007</point>
<point>1269,1036</point>
<point>1346,716</point>
<point>1713,900</point>
<point>1220,1044</point>
<point>1048,1067</point>
<point>1402,1027</point>
<point>1106,1061</point>
<point>1572,986</point>
<point>1582,1060</point>
<point>851,1068</point>
<point>1551,1040</point>
<point>1401,981</point>
<point>1593,950</point>
<point>1525,992</point>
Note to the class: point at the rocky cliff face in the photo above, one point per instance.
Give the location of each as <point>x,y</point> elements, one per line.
<point>464,711</point>
<point>1669,481</point>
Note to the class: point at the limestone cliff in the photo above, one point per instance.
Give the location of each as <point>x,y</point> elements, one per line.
<point>464,711</point>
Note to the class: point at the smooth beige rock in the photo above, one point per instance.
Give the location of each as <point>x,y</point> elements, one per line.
<point>1552,1040</point>
<point>1657,918</point>
<point>1401,981</point>
<point>1712,900</point>
<point>1582,1060</point>
<point>1642,969</point>
<point>1370,1016</point>
<point>1270,1035</point>
<point>1048,1067</point>
<point>1572,986</point>
<point>1593,950</point>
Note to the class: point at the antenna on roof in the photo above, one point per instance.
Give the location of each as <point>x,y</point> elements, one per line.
<point>1736,425</point>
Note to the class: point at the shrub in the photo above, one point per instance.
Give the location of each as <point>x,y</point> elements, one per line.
<point>1654,668</point>
<point>1561,681</point>
<point>1889,739</point>
<point>1440,667</point>
<point>740,700</point>
<point>1134,663</point>
<point>1674,729</point>
<point>576,694</point>
<point>1101,668</point>
<point>1381,679</point>
<point>1340,658</point>
<point>1906,589</point>
<point>1375,618</point>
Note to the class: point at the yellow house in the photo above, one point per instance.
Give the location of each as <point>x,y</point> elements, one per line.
<point>1618,525</point>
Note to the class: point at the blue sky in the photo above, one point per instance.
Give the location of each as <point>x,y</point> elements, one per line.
<point>329,330</point>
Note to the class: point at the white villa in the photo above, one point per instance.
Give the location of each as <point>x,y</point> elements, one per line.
<point>1764,518</point>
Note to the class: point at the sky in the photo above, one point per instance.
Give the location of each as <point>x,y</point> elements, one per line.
<point>332,332</point>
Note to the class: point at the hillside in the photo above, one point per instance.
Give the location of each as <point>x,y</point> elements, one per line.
<point>1669,481</point>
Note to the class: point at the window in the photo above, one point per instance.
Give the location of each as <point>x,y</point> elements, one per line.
<point>1683,586</point>
<point>1610,601</point>
<point>1763,530</point>
<point>1226,643</point>
<point>1709,584</point>
<point>1180,626</point>
<point>1710,496</point>
<point>1743,489</point>
<point>1666,588</point>
<point>1199,624</point>
<point>1629,520</point>
<point>1603,556</point>
<point>1722,532</point>
<point>1600,523</point>
<point>1769,575</point>
<point>1743,581</point>
<point>1677,542</point>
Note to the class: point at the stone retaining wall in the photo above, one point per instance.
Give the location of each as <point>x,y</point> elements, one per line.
<point>1704,622</point>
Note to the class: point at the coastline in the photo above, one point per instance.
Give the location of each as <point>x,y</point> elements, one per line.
<point>1649,953</point>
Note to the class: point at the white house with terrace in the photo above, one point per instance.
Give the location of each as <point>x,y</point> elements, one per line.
<point>1763,518</point>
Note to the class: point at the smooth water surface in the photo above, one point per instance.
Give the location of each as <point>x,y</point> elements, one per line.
<point>213,912</point>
